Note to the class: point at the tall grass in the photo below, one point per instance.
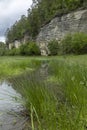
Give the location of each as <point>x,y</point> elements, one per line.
<point>15,66</point>
<point>73,81</point>
<point>60,102</point>
<point>39,101</point>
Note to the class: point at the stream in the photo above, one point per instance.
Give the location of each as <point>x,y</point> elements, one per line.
<point>10,104</point>
<point>9,108</point>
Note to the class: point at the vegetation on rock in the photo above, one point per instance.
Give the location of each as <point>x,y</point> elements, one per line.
<point>53,47</point>
<point>75,43</point>
<point>39,14</point>
<point>28,49</point>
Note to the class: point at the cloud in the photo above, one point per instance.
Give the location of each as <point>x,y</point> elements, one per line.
<point>10,11</point>
<point>2,38</point>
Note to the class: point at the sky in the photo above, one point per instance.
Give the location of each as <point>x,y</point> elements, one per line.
<point>10,11</point>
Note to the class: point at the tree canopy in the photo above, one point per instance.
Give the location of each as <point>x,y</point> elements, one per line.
<point>39,14</point>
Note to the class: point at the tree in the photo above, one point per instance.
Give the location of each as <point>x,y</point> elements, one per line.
<point>39,14</point>
<point>2,49</point>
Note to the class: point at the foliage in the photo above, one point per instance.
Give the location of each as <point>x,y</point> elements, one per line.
<point>2,49</point>
<point>74,43</point>
<point>72,88</point>
<point>30,48</point>
<point>23,49</point>
<point>39,14</point>
<point>51,104</point>
<point>17,30</point>
<point>11,66</point>
<point>53,47</point>
<point>13,51</point>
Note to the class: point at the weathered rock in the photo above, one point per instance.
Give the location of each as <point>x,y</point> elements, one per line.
<point>58,27</point>
<point>10,45</point>
<point>15,44</point>
<point>18,43</point>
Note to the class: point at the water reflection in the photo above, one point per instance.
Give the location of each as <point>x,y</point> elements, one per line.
<point>9,107</point>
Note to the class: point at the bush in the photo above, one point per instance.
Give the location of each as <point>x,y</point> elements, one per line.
<point>14,51</point>
<point>2,49</point>
<point>29,49</point>
<point>66,45</point>
<point>74,44</point>
<point>17,51</point>
<point>11,52</point>
<point>53,47</point>
<point>23,48</point>
<point>71,44</point>
<point>32,49</point>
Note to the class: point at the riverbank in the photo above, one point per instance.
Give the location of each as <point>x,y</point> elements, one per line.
<point>12,66</point>
<point>54,96</point>
<point>15,65</point>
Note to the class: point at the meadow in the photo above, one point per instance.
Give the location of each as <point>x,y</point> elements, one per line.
<point>12,66</point>
<point>56,100</point>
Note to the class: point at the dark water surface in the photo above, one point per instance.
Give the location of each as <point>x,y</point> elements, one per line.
<point>10,107</point>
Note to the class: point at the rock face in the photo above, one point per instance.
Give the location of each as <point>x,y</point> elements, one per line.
<point>18,43</point>
<point>58,27</point>
<point>15,44</point>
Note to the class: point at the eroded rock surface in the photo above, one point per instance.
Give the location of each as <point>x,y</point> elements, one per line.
<point>58,27</point>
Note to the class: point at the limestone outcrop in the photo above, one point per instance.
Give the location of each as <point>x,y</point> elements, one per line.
<point>60,26</point>
<point>18,43</point>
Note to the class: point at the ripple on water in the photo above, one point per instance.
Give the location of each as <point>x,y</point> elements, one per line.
<point>9,107</point>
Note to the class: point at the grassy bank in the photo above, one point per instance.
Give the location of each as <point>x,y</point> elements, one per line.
<point>60,101</point>
<point>11,66</point>
<point>71,92</point>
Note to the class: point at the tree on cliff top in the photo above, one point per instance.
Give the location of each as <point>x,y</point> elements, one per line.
<point>39,14</point>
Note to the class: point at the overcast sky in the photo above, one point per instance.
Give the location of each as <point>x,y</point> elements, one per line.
<point>10,11</point>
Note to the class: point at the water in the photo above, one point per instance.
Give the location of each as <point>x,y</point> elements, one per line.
<point>10,106</point>
<point>10,119</point>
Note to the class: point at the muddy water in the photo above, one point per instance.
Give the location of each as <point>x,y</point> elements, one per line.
<point>10,119</point>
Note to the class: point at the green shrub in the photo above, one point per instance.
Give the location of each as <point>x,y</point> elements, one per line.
<point>53,47</point>
<point>23,48</point>
<point>32,49</point>
<point>71,44</point>
<point>14,51</point>
<point>29,49</point>
<point>74,44</point>
<point>2,49</point>
<point>66,44</point>
<point>17,51</point>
